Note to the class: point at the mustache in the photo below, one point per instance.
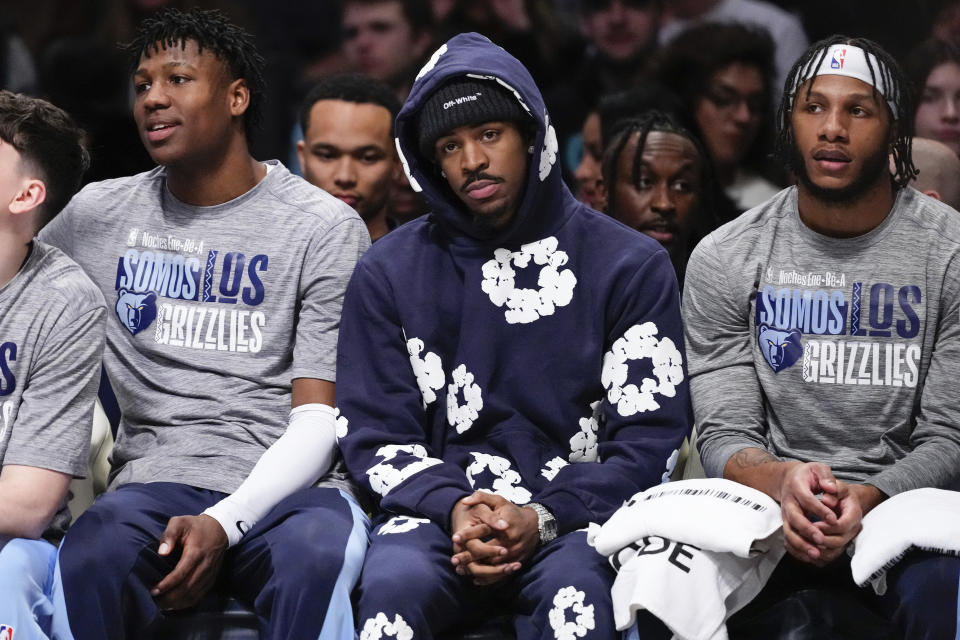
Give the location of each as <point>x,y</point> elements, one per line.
<point>479,175</point>
<point>662,221</point>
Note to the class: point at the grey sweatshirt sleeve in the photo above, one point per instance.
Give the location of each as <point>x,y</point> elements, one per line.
<point>727,399</point>
<point>935,458</point>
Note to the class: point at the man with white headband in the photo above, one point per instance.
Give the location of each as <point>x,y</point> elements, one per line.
<point>822,330</point>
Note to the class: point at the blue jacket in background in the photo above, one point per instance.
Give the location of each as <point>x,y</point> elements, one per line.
<point>542,362</point>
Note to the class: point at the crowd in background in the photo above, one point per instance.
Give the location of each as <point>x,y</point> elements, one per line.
<point>716,67</point>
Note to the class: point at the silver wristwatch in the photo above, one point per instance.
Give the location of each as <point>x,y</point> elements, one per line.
<point>546,523</point>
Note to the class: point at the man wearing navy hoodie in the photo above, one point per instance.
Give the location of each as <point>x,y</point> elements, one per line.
<point>510,369</point>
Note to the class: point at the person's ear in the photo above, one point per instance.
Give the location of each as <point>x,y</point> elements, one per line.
<point>933,193</point>
<point>31,195</point>
<point>239,96</point>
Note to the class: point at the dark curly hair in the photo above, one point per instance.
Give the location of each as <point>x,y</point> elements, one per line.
<point>49,141</point>
<point>213,31</point>
<point>923,59</point>
<point>892,78</point>
<point>687,64</point>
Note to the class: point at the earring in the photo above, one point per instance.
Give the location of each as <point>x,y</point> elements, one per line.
<point>530,149</point>
<point>443,173</point>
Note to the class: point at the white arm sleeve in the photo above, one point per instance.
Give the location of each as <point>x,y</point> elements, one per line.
<point>297,459</point>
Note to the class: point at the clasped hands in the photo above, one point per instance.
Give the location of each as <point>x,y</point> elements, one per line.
<point>821,514</point>
<point>492,537</point>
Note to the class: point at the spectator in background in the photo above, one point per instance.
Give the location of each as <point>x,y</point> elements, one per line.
<point>17,70</point>
<point>657,180</point>
<point>347,147</point>
<point>533,31</point>
<point>588,174</point>
<point>938,171</point>
<point>946,24</point>
<point>404,203</point>
<point>597,128</point>
<point>933,69</point>
<point>784,28</point>
<point>388,39</point>
<point>723,74</point>
<point>620,36</point>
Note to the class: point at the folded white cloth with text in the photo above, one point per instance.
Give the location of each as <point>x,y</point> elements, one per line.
<point>691,552</point>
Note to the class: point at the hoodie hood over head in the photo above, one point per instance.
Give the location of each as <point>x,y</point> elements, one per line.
<point>546,200</point>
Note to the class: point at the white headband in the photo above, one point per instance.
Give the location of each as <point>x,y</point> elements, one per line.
<point>851,61</point>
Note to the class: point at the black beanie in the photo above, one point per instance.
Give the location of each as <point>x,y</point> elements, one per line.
<point>465,102</point>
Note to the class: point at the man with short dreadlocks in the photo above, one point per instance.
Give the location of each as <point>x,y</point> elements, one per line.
<point>823,330</point>
<point>226,276</point>
<point>658,181</point>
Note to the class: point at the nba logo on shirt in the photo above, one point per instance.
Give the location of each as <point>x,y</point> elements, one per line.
<point>6,632</point>
<point>837,61</point>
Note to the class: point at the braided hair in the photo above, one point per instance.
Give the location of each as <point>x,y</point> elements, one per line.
<point>211,30</point>
<point>644,124</point>
<point>891,77</point>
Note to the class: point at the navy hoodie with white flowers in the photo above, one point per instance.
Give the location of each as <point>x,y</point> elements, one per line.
<point>542,362</point>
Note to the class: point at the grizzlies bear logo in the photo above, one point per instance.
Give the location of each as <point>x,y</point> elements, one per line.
<point>136,311</point>
<point>780,348</point>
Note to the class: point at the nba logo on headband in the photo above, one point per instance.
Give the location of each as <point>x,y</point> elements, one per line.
<point>853,62</point>
<point>836,61</point>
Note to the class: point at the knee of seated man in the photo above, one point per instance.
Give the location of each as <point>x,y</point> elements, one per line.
<point>405,576</point>
<point>303,561</point>
<point>95,540</point>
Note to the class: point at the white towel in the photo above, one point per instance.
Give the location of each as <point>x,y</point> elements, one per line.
<point>711,513</point>
<point>925,519</point>
<point>691,552</point>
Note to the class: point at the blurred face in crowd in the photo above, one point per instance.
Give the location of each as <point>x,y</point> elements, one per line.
<point>185,105</point>
<point>588,173</point>
<point>404,203</point>
<point>620,29</point>
<point>841,138</point>
<point>486,167</point>
<point>946,25</point>
<point>730,112</point>
<point>662,199</point>
<point>379,41</point>
<point>938,111</point>
<point>347,151</point>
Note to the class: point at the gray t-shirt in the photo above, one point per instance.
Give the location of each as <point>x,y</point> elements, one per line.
<point>843,351</point>
<point>51,343</point>
<point>215,311</point>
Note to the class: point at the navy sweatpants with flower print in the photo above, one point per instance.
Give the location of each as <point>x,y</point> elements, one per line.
<point>409,589</point>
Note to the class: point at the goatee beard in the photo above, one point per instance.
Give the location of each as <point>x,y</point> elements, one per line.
<point>873,169</point>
